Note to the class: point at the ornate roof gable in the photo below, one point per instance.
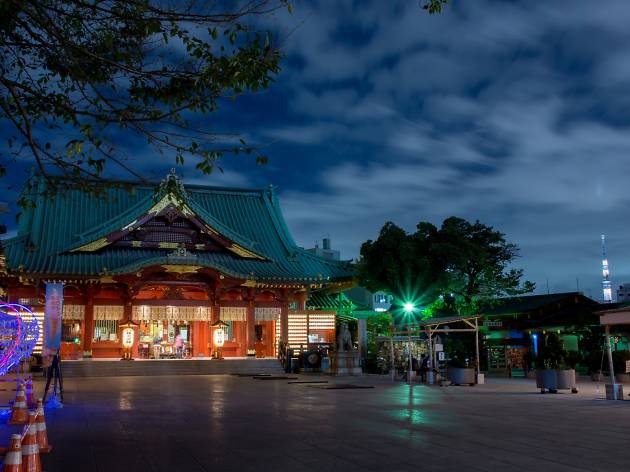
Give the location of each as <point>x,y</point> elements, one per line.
<point>166,220</point>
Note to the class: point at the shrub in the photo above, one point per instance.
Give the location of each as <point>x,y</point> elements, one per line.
<point>619,361</point>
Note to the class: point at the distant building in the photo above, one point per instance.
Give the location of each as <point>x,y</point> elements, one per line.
<point>623,293</point>
<point>514,328</point>
<point>325,251</point>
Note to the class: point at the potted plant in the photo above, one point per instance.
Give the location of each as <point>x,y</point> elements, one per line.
<point>556,368</point>
<point>619,365</point>
<point>459,372</point>
<point>545,375</point>
<point>566,371</point>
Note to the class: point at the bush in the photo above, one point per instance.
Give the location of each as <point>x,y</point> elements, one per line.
<point>571,359</point>
<point>619,361</point>
<point>553,354</point>
<point>457,362</point>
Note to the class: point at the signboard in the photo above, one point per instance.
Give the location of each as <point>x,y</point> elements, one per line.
<point>493,324</point>
<point>441,356</point>
<point>127,338</point>
<point>438,347</point>
<point>219,337</point>
<point>52,317</point>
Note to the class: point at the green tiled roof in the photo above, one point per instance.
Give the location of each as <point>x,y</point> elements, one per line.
<point>250,218</point>
<point>329,301</point>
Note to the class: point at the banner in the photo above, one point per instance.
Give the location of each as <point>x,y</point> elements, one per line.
<point>52,317</point>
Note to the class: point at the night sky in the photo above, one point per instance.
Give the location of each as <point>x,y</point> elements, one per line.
<point>516,113</point>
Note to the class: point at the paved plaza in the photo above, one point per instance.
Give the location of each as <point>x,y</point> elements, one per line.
<point>227,423</point>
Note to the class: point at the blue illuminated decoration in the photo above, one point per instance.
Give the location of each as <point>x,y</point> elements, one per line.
<point>19,332</point>
<point>535,343</point>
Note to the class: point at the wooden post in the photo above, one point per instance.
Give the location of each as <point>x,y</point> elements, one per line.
<point>391,347</point>
<point>610,361</point>
<point>432,362</point>
<point>477,346</point>
<point>362,335</point>
<point>284,321</point>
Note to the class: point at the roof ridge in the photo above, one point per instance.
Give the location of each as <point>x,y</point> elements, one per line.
<point>279,224</point>
<point>128,212</point>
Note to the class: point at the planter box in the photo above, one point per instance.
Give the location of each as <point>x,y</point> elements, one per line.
<point>546,379</point>
<point>460,376</point>
<point>556,379</point>
<point>566,379</point>
<point>614,392</point>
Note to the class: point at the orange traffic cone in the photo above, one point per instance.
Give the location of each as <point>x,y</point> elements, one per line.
<point>19,409</point>
<point>13,459</point>
<point>30,450</point>
<point>42,434</point>
<point>29,393</point>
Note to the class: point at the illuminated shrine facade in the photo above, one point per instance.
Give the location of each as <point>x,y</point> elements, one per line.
<point>174,259</point>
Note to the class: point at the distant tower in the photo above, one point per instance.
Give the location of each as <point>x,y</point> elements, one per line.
<point>606,284</point>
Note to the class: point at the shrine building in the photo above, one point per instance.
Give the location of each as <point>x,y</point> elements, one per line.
<point>174,259</point>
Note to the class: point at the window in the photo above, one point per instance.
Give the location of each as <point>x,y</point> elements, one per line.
<point>105,330</point>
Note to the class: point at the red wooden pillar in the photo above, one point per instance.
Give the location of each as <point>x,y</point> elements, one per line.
<point>88,323</point>
<point>251,323</point>
<point>200,338</point>
<point>300,298</point>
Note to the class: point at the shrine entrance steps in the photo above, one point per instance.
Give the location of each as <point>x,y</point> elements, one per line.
<point>117,368</point>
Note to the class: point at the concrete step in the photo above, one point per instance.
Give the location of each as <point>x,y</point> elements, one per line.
<point>115,368</point>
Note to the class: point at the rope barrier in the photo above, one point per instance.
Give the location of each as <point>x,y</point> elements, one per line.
<point>23,435</point>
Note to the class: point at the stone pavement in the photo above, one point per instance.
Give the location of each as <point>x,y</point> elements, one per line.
<point>226,423</point>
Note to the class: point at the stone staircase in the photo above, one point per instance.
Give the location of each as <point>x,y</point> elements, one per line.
<point>117,368</point>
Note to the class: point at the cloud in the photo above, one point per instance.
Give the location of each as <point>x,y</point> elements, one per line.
<point>514,113</point>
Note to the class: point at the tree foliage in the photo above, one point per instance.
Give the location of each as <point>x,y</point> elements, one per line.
<point>405,265</point>
<point>454,268</point>
<point>477,259</point>
<point>434,6</point>
<point>74,72</point>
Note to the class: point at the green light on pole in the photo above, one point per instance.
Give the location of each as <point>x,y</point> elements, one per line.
<point>409,309</point>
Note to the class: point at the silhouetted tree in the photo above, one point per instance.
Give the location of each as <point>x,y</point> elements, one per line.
<point>454,268</point>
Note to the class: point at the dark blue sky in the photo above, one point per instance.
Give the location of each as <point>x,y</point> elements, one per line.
<point>516,113</point>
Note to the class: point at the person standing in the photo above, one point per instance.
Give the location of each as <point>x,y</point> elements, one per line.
<point>179,345</point>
